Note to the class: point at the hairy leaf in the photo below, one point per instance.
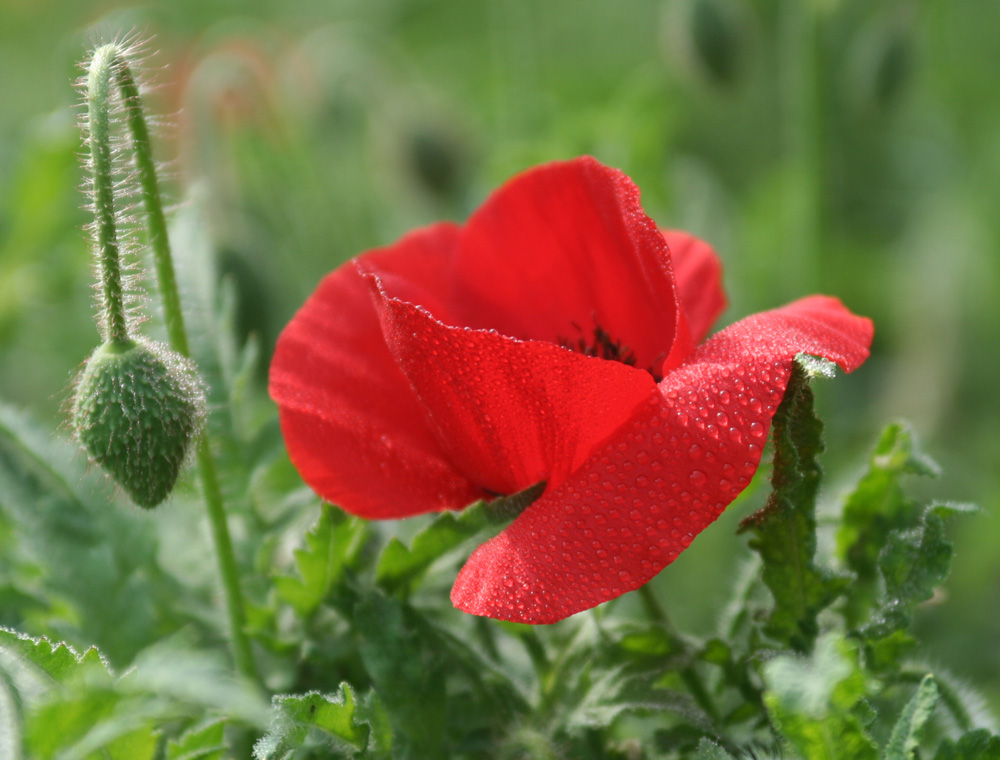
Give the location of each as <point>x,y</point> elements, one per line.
<point>905,734</point>
<point>296,714</point>
<point>332,544</point>
<point>400,566</point>
<point>876,508</point>
<point>709,750</point>
<point>973,745</point>
<point>407,669</point>
<point>46,663</point>
<point>811,702</point>
<point>912,563</point>
<point>616,692</point>
<point>785,529</point>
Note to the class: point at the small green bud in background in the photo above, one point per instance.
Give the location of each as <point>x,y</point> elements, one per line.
<point>137,408</point>
<point>710,39</point>
<point>881,66</point>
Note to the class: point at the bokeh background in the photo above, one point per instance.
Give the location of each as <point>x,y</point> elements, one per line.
<point>850,147</point>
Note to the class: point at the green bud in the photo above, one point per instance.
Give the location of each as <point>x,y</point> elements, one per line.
<point>136,410</point>
<point>882,64</point>
<point>710,40</point>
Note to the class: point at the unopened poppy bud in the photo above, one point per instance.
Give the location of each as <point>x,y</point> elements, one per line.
<point>136,410</point>
<point>882,65</point>
<point>709,38</point>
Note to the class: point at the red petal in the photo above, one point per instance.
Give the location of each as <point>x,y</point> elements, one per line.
<point>508,413</point>
<point>562,247</point>
<point>698,272</point>
<point>352,425</point>
<point>662,478</point>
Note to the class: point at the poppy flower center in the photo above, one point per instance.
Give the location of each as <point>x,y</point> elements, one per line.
<point>600,344</point>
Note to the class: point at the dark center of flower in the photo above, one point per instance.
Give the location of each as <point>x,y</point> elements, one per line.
<point>603,346</point>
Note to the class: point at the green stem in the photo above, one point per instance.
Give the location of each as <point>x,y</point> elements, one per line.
<point>689,673</point>
<point>113,58</point>
<point>156,221</point>
<point>113,317</point>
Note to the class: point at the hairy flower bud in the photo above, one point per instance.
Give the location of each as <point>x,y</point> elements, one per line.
<point>136,410</point>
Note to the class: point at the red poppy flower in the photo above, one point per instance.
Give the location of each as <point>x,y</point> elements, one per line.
<point>551,338</point>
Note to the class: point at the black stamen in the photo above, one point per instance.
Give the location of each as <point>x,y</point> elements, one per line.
<point>603,346</point>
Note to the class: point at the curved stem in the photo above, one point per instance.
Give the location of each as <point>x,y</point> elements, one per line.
<point>113,316</point>
<point>156,221</point>
<point>113,58</point>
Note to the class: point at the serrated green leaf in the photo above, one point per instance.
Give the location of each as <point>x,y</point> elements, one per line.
<point>616,692</point>
<point>400,566</point>
<point>294,715</point>
<point>972,745</point>
<point>785,529</point>
<point>709,750</point>
<point>811,701</point>
<point>912,563</point>
<point>332,544</point>
<point>51,663</point>
<point>204,742</point>
<point>906,733</point>
<point>876,508</point>
<point>408,672</point>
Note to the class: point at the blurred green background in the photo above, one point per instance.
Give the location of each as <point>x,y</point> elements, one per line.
<point>850,147</point>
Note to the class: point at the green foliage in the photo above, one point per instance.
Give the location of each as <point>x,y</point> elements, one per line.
<point>400,566</point>
<point>332,545</point>
<point>905,734</point>
<point>393,646</point>
<point>353,629</point>
<point>974,745</point>
<point>912,564</point>
<point>205,742</point>
<point>785,529</point>
<point>812,701</point>
<point>333,715</point>
<point>876,508</point>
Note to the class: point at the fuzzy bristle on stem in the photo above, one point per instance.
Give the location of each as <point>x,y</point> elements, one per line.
<point>110,67</point>
<point>103,191</point>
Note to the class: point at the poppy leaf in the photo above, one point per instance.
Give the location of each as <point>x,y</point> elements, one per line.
<point>399,565</point>
<point>332,544</point>
<point>875,508</point>
<point>912,563</point>
<point>785,528</point>
<point>979,744</point>
<point>294,715</point>
<point>709,750</point>
<point>811,702</point>
<point>401,664</point>
<point>905,734</point>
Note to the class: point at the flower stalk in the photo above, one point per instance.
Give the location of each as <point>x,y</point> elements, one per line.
<point>113,316</point>
<point>109,67</point>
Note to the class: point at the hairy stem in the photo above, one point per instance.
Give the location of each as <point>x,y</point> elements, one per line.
<point>113,316</point>
<point>112,61</point>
